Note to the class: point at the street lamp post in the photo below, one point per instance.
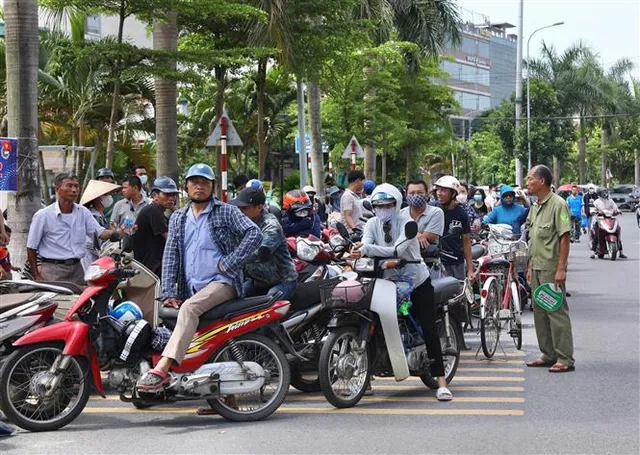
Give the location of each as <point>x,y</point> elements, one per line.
<point>529,90</point>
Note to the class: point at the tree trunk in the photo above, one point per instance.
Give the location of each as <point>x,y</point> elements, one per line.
<point>261,83</point>
<point>605,140</point>
<point>408,172</point>
<point>42,172</point>
<point>21,47</point>
<point>302,161</point>
<point>221,82</point>
<point>582,152</point>
<point>165,38</point>
<point>115,99</point>
<point>384,164</point>
<point>315,131</point>
<point>556,171</point>
<point>636,174</point>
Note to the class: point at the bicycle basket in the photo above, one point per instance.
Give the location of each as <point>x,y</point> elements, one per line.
<point>519,254</point>
<point>347,294</point>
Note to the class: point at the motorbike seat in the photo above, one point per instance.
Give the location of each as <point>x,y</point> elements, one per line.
<point>306,295</point>
<point>497,262</point>
<point>445,288</point>
<point>11,301</point>
<point>477,251</point>
<point>226,310</point>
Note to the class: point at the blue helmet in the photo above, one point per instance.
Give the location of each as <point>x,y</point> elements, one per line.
<point>105,172</point>
<point>126,311</point>
<point>165,185</point>
<point>255,184</point>
<point>201,170</point>
<point>369,186</point>
<point>382,198</point>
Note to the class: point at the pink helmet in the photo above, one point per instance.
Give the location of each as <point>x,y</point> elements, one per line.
<point>349,290</point>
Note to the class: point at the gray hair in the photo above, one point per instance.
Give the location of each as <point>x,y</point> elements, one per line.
<point>543,173</point>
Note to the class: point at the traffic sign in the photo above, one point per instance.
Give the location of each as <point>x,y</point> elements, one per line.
<point>351,149</point>
<point>233,138</point>
<point>325,145</point>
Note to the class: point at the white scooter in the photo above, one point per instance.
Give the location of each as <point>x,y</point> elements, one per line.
<point>372,331</point>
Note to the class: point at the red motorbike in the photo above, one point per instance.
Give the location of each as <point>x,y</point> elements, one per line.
<point>605,235</point>
<point>244,376</point>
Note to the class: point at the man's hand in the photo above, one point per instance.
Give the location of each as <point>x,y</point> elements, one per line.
<point>355,251</point>
<point>471,275</point>
<point>529,275</point>
<point>424,242</point>
<point>172,302</point>
<point>561,278</point>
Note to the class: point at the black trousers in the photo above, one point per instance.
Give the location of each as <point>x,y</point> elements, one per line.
<point>426,312</point>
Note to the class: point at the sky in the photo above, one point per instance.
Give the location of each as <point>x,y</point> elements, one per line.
<point>609,27</point>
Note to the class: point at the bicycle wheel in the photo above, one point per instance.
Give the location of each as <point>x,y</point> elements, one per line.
<point>515,324</point>
<point>490,324</point>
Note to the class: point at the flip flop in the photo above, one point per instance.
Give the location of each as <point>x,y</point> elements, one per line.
<point>539,363</point>
<point>153,380</point>
<point>444,394</point>
<point>561,368</point>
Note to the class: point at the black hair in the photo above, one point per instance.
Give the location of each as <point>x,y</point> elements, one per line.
<point>491,186</point>
<point>138,166</point>
<point>355,175</point>
<point>418,182</point>
<point>240,180</point>
<point>544,173</point>
<point>133,181</point>
<point>7,229</point>
<point>64,176</point>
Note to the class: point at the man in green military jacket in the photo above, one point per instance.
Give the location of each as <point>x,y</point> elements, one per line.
<point>549,224</point>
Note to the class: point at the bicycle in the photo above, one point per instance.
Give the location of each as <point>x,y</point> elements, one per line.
<point>500,295</point>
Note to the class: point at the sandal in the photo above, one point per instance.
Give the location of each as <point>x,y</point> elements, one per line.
<point>561,368</point>
<point>539,363</point>
<point>153,381</point>
<point>444,394</point>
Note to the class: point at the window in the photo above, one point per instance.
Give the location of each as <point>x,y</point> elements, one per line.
<point>93,25</point>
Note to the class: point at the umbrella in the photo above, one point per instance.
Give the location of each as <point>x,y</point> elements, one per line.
<point>566,187</point>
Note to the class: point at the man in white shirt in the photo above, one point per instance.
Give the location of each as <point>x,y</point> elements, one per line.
<point>58,233</point>
<point>350,205</point>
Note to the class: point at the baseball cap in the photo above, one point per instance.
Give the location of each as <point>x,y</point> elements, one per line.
<point>249,196</point>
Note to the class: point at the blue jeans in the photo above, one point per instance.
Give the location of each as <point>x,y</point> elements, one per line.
<point>251,289</point>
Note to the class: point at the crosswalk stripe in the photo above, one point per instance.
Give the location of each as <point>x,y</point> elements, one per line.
<point>496,357</point>
<point>327,410</point>
<point>491,370</point>
<point>491,362</point>
<point>458,379</point>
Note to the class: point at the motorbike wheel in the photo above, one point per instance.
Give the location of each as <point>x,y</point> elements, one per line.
<point>612,248</point>
<point>304,376</point>
<point>343,369</point>
<point>490,324</point>
<point>258,405</point>
<point>28,368</point>
<point>450,355</point>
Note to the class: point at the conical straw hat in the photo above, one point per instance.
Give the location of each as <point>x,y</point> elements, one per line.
<point>95,189</point>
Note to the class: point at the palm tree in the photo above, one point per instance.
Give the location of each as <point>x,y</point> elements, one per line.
<point>21,41</point>
<point>429,24</point>
<point>165,37</point>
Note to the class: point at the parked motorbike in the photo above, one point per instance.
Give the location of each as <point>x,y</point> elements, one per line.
<point>605,234</point>
<point>372,331</point>
<point>45,383</point>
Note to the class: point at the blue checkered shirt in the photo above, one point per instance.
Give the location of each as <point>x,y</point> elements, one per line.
<point>235,236</point>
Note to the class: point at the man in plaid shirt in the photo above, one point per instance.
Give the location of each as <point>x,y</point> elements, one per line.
<point>207,245</point>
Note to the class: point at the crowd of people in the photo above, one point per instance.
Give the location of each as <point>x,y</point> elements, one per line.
<point>209,252</point>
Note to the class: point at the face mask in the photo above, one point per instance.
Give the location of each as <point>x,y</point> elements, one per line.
<point>143,179</point>
<point>385,214</point>
<point>461,198</point>
<point>417,200</point>
<point>302,213</point>
<point>106,201</point>
<point>477,198</point>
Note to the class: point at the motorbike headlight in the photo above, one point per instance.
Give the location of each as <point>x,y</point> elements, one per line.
<point>94,272</point>
<point>364,265</point>
<point>306,251</point>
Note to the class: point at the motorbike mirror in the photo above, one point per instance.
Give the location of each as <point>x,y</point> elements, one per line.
<point>342,229</point>
<point>411,230</point>
<point>264,254</point>
<point>367,205</point>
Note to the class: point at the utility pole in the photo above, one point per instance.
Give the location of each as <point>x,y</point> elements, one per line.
<point>302,136</point>
<point>519,93</point>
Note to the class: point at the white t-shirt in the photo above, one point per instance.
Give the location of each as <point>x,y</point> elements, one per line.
<point>351,201</point>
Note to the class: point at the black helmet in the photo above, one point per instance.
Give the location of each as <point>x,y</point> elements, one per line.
<point>603,193</point>
<point>105,172</point>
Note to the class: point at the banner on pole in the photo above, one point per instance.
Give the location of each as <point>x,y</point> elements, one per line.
<point>8,164</point>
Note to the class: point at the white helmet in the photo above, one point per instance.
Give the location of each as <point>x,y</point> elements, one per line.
<point>448,181</point>
<point>309,189</point>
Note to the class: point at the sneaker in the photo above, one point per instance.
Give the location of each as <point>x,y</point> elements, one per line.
<point>622,255</point>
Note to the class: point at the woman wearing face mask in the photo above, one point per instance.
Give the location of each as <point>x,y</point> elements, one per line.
<point>478,205</point>
<point>97,198</point>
